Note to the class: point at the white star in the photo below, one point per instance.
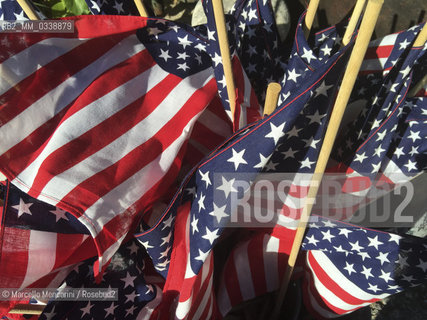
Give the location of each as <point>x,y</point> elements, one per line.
<point>194,223</point>
<point>373,242</point>
<point>382,256</point>
<point>262,161</point>
<point>411,165</point>
<point>306,163</point>
<point>293,132</point>
<point>399,152</point>
<point>367,272</point>
<point>378,151</point>
<point>182,55</point>
<point>205,178</point>
<point>360,157</point>
<point>376,167</point>
<point>252,14</point>
<point>86,310</point>
<point>381,135</point>
<point>211,235</point>
<point>395,237</point>
<point>327,235</point>
<point>218,212</point>
<point>373,288</point>
<point>202,255</point>
<point>110,309</point>
<point>237,158</point>
<point>227,186</point>
<point>413,151</point>
<point>129,280</point>
<point>364,255</point>
<point>290,153</point>
<point>211,35</point>
<point>222,81</point>
<point>154,31</point>
<point>414,135</point>
<point>355,246</point>
<point>349,268</point>
<point>200,47</point>
<point>146,245</point>
<point>166,239</point>
<point>322,90</point>
<point>131,296</point>
<point>184,42</point>
<point>217,59</point>
<point>345,232</point>
<point>292,75</point>
<point>201,202</point>
<point>326,50</point>
<point>308,54</point>
<point>312,240</point>
<point>422,265</point>
<point>405,71</point>
<point>118,6</point>
<point>168,222</point>
<point>59,214</point>
<point>316,118</point>
<point>276,132</point>
<point>133,248</point>
<point>23,207</point>
<point>385,276</point>
<point>311,143</point>
<point>183,66</point>
<point>404,44</point>
<point>130,310</point>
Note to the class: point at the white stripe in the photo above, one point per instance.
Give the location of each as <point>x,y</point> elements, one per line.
<point>328,295</point>
<point>287,222</point>
<point>148,309</point>
<point>183,308</point>
<point>208,292</point>
<point>389,40</point>
<point>271,249</point>
<point>341,279</point>
<point>323,312</point>
<point>244,274</point>
<point>395,174</point>
<point>23,64</point>
<point>224,304</point>
<point>92,115</point>
<point>62,184</point>
<point>57,99</point>
<point>215,123</point>
<point>41,256</point>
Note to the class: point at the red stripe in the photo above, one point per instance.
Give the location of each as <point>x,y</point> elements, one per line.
<point>89,191</point>
<point>231,282</point>
<point>52,75</point>
<point>378,52</point>
<point>256,263</point>
<point>71,249</point>
<point>16,42</point>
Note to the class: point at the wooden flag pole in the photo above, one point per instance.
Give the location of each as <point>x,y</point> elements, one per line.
<point>141,9</point>
<point>366,29</point>
<point>28,309</point>
<point>419,42</point>
<point>29,10</point>
<point>309,17</point>
<point>224,49</point>
<point>271,97</point>
<point>357,11</point>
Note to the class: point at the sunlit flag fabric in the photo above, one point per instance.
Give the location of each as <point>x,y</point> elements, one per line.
<point>39,243</point>
<point>112,7</point>
<point>181,243</point>
<point>135,298</point>
<point>247,106</point>
<point>101,134</point>
<point>11,10</point>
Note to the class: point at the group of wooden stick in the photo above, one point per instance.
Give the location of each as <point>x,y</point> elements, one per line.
<point>371,9</point>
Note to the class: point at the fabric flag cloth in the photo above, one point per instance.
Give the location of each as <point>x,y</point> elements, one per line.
<point>112,7</point>
<point>181,243</point>
<point>39,243</point>
<point>247,106</point>
<point>104,136</point>
<point>385,144</point>
<point>11,10</point>
<point>133,298</point>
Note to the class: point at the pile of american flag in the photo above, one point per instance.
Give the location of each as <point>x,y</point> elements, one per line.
<point>126,166</point>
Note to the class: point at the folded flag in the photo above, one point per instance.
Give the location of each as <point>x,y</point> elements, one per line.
<point>101,132</point>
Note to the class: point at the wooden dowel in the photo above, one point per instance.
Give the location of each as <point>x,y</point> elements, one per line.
<point>224,48</point>
<point>29,10</point>
<point>357,11</point>
<point>28,309</point>
<point>366,29</point>
<point>309,17</point>
<point>141,9</point>
<point>271,97</point>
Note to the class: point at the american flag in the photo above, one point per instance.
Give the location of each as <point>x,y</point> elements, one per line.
<point>136,296</point>
<point>104,136</point>
<point>113,7</point>
<point>11,10</point>
<point>39,244</point>
<point>181,243</point>
<point>348,267</point>
<point>247,106</point>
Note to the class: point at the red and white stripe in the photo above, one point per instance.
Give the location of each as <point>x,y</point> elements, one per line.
<point>378,53</point>
<point>101,139</point>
